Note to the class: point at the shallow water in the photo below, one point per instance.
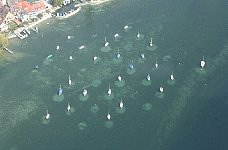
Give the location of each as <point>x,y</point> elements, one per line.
<point>185,31</point>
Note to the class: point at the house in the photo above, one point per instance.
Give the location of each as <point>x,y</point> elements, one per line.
<point>26,10</point>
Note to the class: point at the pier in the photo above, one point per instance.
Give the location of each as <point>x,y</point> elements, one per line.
<point>8,50</point>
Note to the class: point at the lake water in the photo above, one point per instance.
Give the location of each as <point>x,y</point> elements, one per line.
<point>191,113</point>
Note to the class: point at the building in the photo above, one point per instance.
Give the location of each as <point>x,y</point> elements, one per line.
<point>26,10</point>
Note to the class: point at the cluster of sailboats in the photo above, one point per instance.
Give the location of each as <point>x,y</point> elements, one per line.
<point>119,78</point>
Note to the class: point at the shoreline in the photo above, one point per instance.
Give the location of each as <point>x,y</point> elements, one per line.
<point>49,15</point>
<point>45,17</point>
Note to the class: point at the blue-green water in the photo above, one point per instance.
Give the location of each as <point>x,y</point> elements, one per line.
<point>192,114</point>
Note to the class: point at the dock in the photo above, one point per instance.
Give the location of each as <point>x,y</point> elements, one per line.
<point>8,50</point>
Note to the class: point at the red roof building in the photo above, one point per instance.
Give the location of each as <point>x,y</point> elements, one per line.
<point>30,7</point>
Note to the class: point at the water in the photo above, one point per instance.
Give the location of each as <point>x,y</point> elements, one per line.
<point>186,31</point>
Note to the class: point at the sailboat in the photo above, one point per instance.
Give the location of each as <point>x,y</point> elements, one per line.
<point>156,63</point>
<point>121,104</point>
<point>69,80</point>
<point>151,42</point>
<point>116,35</point>
<point>47,115</point>
<point>161,89</point>
<point>109,90</point>
<point>68,107</point>
<point>138,35</point>
<point>108,116</point>
<point>119,78</point>
<point>172,76</point>
<point>202,63</point>
<point>148,77</point>
<point>84,92</point>
<point>106,42</point>
<point>60,91</point>
<point>118,54</point>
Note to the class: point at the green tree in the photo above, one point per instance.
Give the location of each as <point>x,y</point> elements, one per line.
<point>3,40</point>
<point>57,2</point>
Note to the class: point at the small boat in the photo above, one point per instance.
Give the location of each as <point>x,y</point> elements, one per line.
<point>68,37</point>
<point>172,76</point>
<point>121,104</point>
<point>81,47</point>
<point>36,67</point>
<point>202,63</point>
<point>116,35</point>
<point>151,42</point>
<point>108,116</point>
<point>142,56</point>
<point>57,47</point>
<point>106,42</point>
<point>49,56</point>
<point>60,91</point>
<point>119,78</point>
<point>71,57</point>
<point>109,91</point>
<point>126,27</point>
<point>118,54</point>
<point>156,63</point>
<point>148,77</point>
<point>95,58</point>
<point>68,107</point>
<point>84,93</point>
<point>69,80</point>
<point>138,35</point>
<point>161,89</point>
<point>47,115</point>
<point>131,66</point>
<point>36,29</point>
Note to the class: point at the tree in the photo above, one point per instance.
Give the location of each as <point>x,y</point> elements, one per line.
<point>57,2</point>
<point>3,40</point>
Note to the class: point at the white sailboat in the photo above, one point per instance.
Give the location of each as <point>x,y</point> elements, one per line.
<point>116,35</point>
<point>68,107</point>
<point>84,93</point>
<point>126,27</point>
<point>81,47</point>
<point>106,42</point>
<point>148,77</point>
<point>47,115</point>
<point>172,76</point>
<point>142,56</point>
<point>60,91</point>
<point>109,90</point>
<point>202,63</point>
<point>156,63</point>
<point>161,89</point>
<point>119,78</point>
<point>95,58</point>
<point>138,35</point>
<point>108,116</point>
<point>151,42</point>
<point>57,47</point>
<point>118,54</point>
<point>132,65</point>
<point>69,80</point>
<point>121,104</point>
